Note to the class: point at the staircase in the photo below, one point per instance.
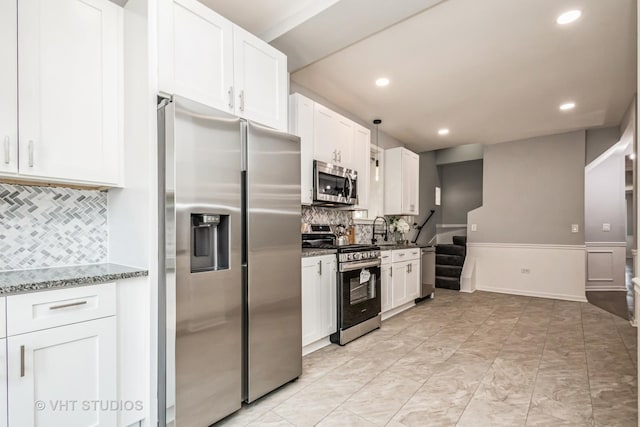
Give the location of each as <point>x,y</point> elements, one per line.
<point>449,262</point>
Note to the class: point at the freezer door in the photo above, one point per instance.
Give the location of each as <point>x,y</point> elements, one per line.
<point>204,290</point>
<point>274,323</point>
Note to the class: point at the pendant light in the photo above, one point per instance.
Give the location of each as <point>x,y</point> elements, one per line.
<point>377,122</point>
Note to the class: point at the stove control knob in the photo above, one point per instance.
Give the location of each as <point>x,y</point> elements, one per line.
<point>357,256</point>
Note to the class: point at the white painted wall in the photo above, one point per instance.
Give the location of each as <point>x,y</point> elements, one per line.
<point>546,271</point>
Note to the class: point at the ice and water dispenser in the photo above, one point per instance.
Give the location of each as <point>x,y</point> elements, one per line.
<point>209,242</point>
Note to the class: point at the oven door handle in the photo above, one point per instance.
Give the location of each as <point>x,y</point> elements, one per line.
<point>359,265</point>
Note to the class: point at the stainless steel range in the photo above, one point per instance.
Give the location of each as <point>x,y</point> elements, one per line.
<point>358,284</point>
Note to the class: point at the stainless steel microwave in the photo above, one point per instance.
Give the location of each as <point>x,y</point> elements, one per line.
<point>334,185</point>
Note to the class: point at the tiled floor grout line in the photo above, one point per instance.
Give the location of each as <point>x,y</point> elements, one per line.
<point>441,363</point>
<point>535,380</point>
<point>586,360</point>
<point>493,363</point>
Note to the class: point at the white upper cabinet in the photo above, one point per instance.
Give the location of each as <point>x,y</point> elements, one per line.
<point>362,163</point>
<point>325,147</point>
<point>196,53</point>
<point>301,124</point>
<point>331,138</point>
<point>8,88</point>
<point>70,90</point>
<point>401,182</point>
<point>261,80</point>
<point>206,58</point>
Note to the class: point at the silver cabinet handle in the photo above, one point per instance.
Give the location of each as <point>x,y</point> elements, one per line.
<point>320,267</point>
<point>21,361</point>
<point>7,152</point>
<point>408,265</point>
<point>31,153</point>
<point>230,97</point>
<point>401,254</point>
<point>71,304</point>
<point>340,156</point>
<point>242,100</point>
<point>390,271</point>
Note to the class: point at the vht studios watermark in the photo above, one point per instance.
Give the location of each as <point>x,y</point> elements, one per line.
<point>88,405</point>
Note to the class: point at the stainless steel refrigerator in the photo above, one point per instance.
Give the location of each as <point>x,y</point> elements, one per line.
<point>229,284</point>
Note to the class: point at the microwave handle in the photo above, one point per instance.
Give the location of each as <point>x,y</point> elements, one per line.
<point>350,187</point>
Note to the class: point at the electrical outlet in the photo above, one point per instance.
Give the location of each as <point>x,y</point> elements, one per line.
<point>474,227</point>
<point>525,271</point>
<point>575,228</point>
<point>606,227</point>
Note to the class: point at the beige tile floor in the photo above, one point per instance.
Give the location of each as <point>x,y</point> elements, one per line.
<point>479,359</point>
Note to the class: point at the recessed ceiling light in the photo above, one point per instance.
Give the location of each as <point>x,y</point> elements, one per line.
<point>569,17</point>
<point>443,132</point>
<point>568,106</point>
<point>382,81</point>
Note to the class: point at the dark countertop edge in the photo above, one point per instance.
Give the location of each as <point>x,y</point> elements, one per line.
<point>45,285</point>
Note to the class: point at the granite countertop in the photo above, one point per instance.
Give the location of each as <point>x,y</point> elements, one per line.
<point>399,246</point>
<point>21,281</point>
<point>309,252</point>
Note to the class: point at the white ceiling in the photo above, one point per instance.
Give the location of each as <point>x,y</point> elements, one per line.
<point>491,71</point>
<point>268,19</point>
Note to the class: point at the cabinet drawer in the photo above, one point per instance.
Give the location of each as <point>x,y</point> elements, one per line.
<point>42,310</point>
<point>405,255</point>
<point>385,257</point>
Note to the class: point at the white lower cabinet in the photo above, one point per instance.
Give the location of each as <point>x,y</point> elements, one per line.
<point>63,376</point>
<point>400,279</point>
<point>319,294</point>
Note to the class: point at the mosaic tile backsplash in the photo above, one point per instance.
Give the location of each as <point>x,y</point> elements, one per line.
<point>51,227</point>
<point>318,215</point>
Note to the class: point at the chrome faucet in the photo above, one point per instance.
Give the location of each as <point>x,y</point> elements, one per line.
<point>376,231</point>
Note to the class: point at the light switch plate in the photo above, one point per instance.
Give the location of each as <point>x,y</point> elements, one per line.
<point>474,227</point>
<point>575,228</point>
<point>606,227</point>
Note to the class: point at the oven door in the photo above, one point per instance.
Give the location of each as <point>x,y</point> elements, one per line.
<point>359,292</point>
<point>334,184</point>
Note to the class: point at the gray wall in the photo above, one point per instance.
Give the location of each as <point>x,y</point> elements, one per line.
<point>461,190</point>
<point>461,153</point>
<point>605,199</point>
<point>599,141</point>
<point>533,191</point>
<point>386,141</point>
<point>429,180</point>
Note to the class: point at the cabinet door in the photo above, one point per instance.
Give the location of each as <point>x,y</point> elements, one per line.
<point>410,163</point>
<point>8,88</point>
<point>413,280</point>
<point>310,304</point>
<point>301,124</point>
<point>3,382</point>
<point>386,287</point>
<point>324,134</point>
<point>196,53</point>
<point>68,369</point>
<point>362,163</point>
<point>345,135</point>
<point>261,80</point>
<point>70,89</point>
<point>399,283</point>
<point>328,296</point>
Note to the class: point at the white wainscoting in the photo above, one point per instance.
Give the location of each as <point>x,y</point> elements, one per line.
<point>606,266</point>
<point>546,271</point>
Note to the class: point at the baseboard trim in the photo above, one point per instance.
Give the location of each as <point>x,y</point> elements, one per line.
<point>535,294</point>
<point>606,289</point>
<point>464,291</point>
<point>390,313</point>
<point>315,346</point>
<point>526,246</point>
